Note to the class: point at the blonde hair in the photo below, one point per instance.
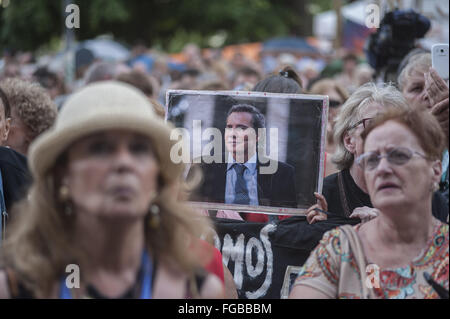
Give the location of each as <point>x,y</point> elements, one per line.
<point>420,63</point>
<point>39,244</point>
<point>350,113</point>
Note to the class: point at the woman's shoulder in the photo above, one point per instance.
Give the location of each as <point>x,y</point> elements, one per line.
<point>172,281</point>
<point>333,238</point>
<point>4,287</point>
<point>209,285</point>
<point>335,241</point>
<point>330,187</point>
<point>440,235</point>
<point>11,287</point>
<point>331,180</point>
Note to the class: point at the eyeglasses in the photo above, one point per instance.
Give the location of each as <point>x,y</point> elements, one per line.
<point>365,122</point>
<point>397,156</point>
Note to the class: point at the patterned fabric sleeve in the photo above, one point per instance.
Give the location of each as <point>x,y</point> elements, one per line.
<point>321,270</point>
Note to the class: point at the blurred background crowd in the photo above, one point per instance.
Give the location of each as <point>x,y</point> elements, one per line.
<point>234,47</point>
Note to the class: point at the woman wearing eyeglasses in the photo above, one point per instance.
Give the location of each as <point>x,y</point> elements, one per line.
<point>392,255</point>
<point>344,193</point>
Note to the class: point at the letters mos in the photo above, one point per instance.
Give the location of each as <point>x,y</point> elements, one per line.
<point>241,252</point>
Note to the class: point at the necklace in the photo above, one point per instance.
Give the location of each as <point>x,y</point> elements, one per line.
<point>145,278</point>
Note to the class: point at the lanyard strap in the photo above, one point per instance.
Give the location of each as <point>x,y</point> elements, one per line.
<point>147,277</point>
<point>3,213</point>
<point>146,280</point>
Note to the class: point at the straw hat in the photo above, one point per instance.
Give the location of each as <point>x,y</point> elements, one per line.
<point>98,107</point>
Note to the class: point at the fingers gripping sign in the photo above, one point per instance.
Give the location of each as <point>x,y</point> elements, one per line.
<point>313,215</point>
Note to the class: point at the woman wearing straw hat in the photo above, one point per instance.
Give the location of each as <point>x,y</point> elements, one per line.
<point>101,219</point>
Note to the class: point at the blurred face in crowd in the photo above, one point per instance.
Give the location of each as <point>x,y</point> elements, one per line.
<point>335,101</point>
<point>240,136</point>
<point>238,61</point>
<point>352,140</point>
<point>243,79</point>
<point>112,174</point>
<point>12,70</point>
<point>349,65</point>
<point>19,134</point>
<point>4,125</point>
<point>395,185</point>
<point>188,82</point>
<point>414,91</point>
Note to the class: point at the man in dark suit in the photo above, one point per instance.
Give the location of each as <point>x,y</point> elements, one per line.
<point>241,176</point>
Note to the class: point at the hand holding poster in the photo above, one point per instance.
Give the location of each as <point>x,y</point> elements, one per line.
<point>258,152</point>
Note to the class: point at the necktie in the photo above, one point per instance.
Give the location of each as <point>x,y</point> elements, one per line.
<point>240,187</point>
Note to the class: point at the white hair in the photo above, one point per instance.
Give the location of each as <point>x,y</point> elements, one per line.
<point>364,97</point>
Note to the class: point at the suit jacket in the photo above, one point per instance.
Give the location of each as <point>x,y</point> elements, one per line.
<point>276,190</point>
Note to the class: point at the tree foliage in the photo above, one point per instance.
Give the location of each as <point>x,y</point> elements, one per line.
<point>168,24</point>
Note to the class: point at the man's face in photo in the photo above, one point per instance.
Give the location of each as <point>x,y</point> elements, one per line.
<point>240,136</point>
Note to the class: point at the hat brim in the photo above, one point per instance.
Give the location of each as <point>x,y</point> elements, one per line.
<point>50,145</point>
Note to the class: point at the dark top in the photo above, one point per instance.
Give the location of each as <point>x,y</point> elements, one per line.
<point>15,174</point>
<point>343,196</point>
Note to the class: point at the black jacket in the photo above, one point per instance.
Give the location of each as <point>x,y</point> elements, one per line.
<point>276,190</point>
<point>15,175</point>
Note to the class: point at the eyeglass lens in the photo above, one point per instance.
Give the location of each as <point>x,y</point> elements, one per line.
<point>396,156</point>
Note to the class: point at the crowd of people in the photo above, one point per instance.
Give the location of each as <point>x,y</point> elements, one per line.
<point>87,179</point>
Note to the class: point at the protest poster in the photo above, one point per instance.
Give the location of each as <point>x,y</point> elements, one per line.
<point>264,258</point>
<point>279,138</point>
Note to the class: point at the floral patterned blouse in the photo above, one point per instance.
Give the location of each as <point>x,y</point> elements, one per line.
<point>332,269</point>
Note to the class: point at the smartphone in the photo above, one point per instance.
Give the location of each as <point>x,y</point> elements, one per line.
<point>439,59</point>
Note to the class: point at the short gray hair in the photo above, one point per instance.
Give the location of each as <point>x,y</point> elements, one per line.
<point>365,96</point>
<point>100,71</point>
<point>420,62</point>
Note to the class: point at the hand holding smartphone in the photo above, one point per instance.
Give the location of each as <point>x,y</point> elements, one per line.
<point>439,59</point>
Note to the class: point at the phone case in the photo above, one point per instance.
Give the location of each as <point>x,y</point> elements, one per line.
<point>439,57</point>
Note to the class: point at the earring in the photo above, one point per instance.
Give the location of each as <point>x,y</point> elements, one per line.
<point>435,187</point>
<point>64,197</point>
<point>155,218</point>
<point>64,193</point>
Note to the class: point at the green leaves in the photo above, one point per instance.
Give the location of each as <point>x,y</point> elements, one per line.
<point>168,24</point>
